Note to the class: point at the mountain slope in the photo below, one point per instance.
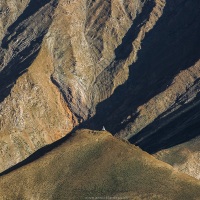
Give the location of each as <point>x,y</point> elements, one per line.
<point>131,66</point>
<point>95,164</point>
<point>54,70</point>
<point>183,157</point>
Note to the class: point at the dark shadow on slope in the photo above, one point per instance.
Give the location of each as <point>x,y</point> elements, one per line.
<point>31,9</point>
<point>21,59</point>
<point>171,46</point>
<point>39,153</point>
<point>125,48</point>
<point>164,133</point>
<point>17,67</point>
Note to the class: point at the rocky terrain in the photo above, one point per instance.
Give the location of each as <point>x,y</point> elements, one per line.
<point>131,66</point>
<point>124,171</point>
<point>184,157</point>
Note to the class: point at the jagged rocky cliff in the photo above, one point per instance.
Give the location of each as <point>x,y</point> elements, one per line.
<point>131,66</point>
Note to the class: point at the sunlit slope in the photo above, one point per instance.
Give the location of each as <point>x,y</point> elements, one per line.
<point>184,157</point>
<point>95,164</point>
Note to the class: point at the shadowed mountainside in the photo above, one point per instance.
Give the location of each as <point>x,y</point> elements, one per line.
<point>131,66</point>
<point>22,42</point>
<point>166,51</point>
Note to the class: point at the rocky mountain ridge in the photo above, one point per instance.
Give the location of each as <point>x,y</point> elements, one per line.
<point>131,66</point>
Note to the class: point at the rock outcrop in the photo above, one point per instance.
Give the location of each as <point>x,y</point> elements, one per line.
<point>131,66</point>
<point>93,164</point>
<point>31,105</point>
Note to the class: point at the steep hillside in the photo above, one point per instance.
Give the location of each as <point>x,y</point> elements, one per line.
<point>31,105</point>
<point>184,157</point>
<point>132,66</point>
<point>56,63</point>
<point>93,164</point>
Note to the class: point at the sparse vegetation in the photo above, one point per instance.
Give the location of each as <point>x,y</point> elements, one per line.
<point>95,164</point>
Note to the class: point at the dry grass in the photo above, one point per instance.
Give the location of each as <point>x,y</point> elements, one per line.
<point>95,164</point>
